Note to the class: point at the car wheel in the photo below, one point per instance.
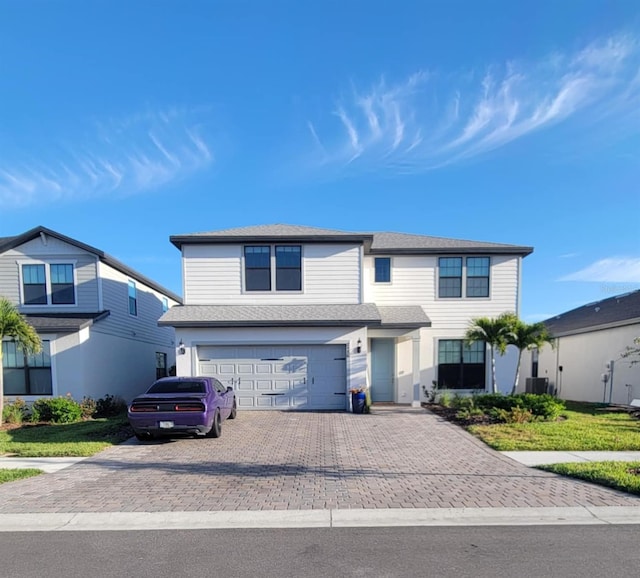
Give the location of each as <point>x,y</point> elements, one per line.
<point>216,428</point>
<point>143,437</point>
<point>234,410</point>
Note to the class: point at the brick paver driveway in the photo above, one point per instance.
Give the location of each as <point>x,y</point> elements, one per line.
<point>394,458</point>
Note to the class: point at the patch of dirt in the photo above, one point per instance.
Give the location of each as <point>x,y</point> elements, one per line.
<point>451,414</point>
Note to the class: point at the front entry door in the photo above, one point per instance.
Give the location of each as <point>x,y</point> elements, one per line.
<point>383,353</point>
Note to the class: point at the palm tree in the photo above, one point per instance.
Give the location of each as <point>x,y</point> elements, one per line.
<point>493,331</point>
<point>526,336</point>
<point>14,325</point>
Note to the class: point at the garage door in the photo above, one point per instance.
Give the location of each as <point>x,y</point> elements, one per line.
<point>311,377</point>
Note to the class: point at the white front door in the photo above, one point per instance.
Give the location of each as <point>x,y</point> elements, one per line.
<point>309,377</point>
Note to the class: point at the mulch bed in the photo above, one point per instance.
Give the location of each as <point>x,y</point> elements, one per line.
<point>451,414</point>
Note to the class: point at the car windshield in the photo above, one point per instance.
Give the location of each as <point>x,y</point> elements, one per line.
<point>177,387</point>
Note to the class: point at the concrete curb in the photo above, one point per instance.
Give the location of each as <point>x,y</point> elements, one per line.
<point>125,521</point>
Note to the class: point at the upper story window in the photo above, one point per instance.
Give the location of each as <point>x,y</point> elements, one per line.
<point>456,273</point>
<point>265,268</point>
<point>48,284</point>
<point>382,269</point>
<point>288,268</point>
<point>133,298</point>
<point>165,305</point>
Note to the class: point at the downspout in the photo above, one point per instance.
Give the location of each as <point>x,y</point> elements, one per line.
<point>558,371</point>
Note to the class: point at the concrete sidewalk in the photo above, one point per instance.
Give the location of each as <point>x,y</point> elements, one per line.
<point>48,465</point>
<point>545,458</point>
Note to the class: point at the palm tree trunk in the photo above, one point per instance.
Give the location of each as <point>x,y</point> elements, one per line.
<point>494,382</point>
<point>517,378</point>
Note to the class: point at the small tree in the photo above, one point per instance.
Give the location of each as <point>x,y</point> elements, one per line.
<point>632,352</point>
<point>526,336</point>
<point>15,326</point>
<point>493,331</point>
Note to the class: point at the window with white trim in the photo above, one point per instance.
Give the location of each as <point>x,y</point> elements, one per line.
<point>463,277</point>
<point>165,305</point>
<point>461,365</point>
<point>382,267</point>
<point>48,284</point>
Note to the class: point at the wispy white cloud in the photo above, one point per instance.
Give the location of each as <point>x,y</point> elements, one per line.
<point>609,270</point>
<point>429,120</point>
<point>568,255</point>
<point>119,157</point>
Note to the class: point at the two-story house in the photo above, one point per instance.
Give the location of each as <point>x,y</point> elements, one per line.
<point>295,317</point>
<point>96,317</point>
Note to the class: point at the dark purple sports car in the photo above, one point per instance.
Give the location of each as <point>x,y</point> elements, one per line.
<point>182,405</point>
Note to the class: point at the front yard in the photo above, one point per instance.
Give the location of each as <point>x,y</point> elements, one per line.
<point>580,427</point>
<point>78,439</point>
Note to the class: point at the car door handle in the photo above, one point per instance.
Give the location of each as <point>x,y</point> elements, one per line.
<point>273,394</point>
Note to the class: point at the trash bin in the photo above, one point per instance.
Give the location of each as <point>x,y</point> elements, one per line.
<point>358,401</point>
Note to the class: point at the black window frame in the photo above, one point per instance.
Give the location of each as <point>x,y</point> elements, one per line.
<point>62,289</point>
<point>29,296</point>
<point>29,366</point>
<point>282,268</point>
<point>444,280</point>
<point>471,276</point>
<point>382,275</point>
<point>465,372</point>
<point>250,280</point>
<point>132,300</point>
<point>468,284</point>
<point>161,365</point>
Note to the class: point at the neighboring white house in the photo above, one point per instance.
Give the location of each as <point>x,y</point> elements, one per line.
<point>295,317</point>
<point>97,319</point>
<point>586,363</point>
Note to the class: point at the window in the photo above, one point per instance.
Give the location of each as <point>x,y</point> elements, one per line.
<point>534,362</point>
<point>477,276</point>
<point>26,374</point>
<point>133,299</point>
<point>257,264</point>
<point>288,268</point>
<point>265,268</point>
<point>62,292</point>
<point>34,285</point>
<point>165,305</point>
<point>461,366</point>
<point>161,365</point>
<point>48,284</point>
<point>383,270</point>
<point>450,277</point>
<point>473,276</point>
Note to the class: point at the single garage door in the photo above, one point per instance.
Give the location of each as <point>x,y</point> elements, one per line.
<point>311,377</point>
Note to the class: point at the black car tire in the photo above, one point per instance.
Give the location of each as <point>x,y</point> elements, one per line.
<point>216,428</point>
<point>234,410</point>
<point>143,437</point>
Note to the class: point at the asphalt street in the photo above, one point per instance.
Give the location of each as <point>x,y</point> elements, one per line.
<point>533,551</point>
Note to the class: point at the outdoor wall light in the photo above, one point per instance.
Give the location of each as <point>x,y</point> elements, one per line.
<point>181,348</point>
<point>359,346</point>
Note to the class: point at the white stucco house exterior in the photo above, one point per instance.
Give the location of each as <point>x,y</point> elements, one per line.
<point>97,319</point>
<point>294,317</point>
<point>587,363</point>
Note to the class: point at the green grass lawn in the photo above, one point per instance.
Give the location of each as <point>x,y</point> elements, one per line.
<point>13,475</point>
<point>77,439</point>
<point>620,475</point>
<point>585,428</point>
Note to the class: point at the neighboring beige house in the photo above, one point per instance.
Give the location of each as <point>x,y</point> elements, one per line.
<point>97,319</point>
<point>294,317</point>
<point>586,363</point>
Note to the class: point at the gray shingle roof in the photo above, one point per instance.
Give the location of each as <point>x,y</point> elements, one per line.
<point>383,242</point>
<point>292,315</point>
<point>64,322</point>
<point>7,243</point>
<point>404,242</point>
<point>617,310</point>
<point>403,316</point>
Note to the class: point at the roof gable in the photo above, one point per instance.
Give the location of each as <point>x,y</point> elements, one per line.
<point>7,243</point>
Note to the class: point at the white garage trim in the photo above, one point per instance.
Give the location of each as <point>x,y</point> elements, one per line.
<point>280,376</point>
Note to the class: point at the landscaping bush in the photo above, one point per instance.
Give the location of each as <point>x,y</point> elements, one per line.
<point>15,412</point>
<point>110,406</point>
<point>88,407</point>
<point>445,399</point>
<point>56,410</point>
<point>502,407</point>
<point>515,415</point>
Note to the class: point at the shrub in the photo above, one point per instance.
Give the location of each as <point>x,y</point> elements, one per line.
<point>445,399</point>
<point>56,410</point>
<point>542,406</point>
<point>545,406</point>
<point>515,415</point>
<point>469,413</point>
<point>464,402</point>
<point>88,407</point>
<point>109,406</point>
<point>15,412</point>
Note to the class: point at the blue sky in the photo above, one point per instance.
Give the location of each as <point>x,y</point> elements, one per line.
<point>517,122</point>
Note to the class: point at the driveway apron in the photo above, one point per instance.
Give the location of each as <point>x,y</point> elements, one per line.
<point>392,458</point>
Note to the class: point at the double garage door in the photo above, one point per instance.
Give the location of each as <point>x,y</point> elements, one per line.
<point>311,377</point>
